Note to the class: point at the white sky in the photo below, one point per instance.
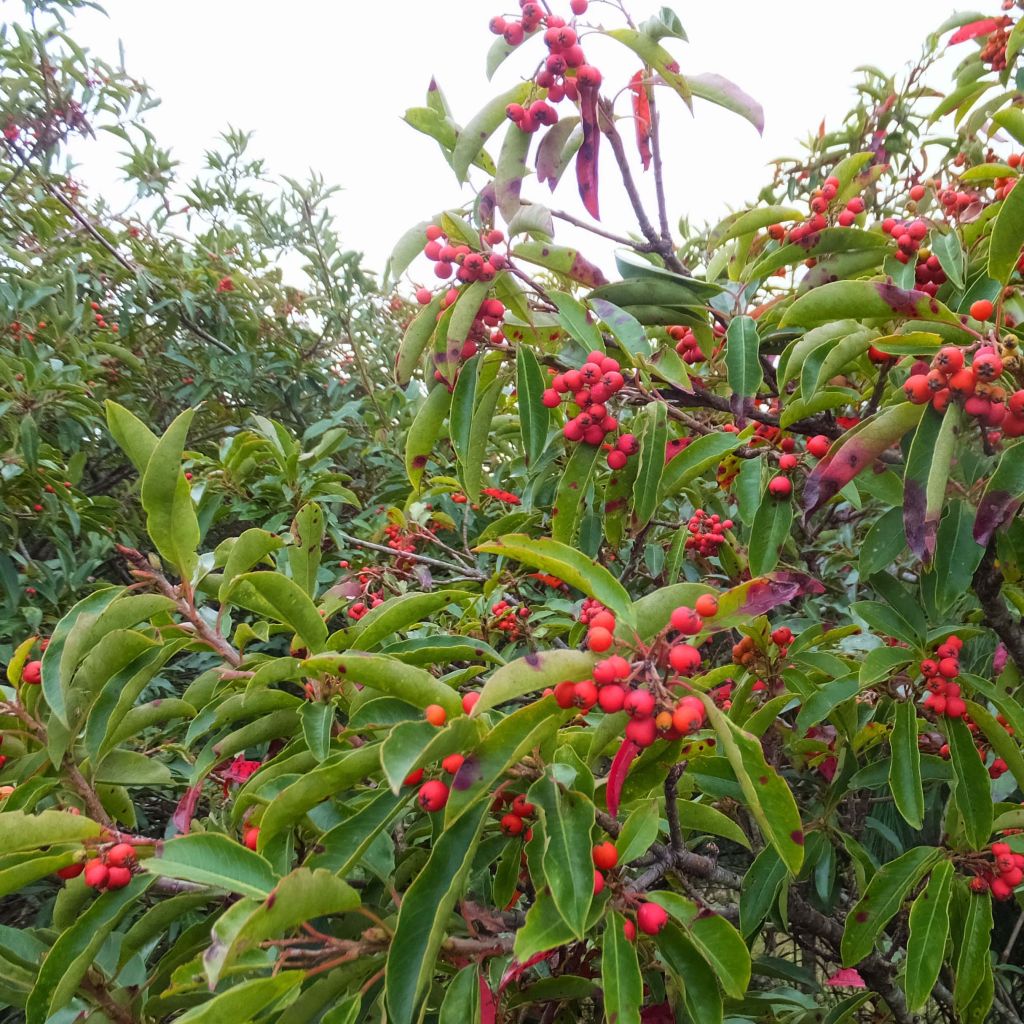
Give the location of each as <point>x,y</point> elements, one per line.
<point>324,84</point>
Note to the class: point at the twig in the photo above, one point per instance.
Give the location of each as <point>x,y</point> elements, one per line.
<point>412,556</point>
<point>988,584</point>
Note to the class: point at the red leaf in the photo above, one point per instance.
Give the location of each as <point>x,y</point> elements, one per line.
<point>973,29</point>
<point>488,1007</point>
<point>186,809</point>
<point>586,158</point>
<point>617,774</point>
<point>515,969</point>
<point>641,117</point>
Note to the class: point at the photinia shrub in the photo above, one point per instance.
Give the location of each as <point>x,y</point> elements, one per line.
<point>677,677</point>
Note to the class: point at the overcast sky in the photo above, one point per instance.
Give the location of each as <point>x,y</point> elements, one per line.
<point>324,84</point>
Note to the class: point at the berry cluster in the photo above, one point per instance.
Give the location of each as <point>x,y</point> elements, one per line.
<point>564,70</point>
<point>620,684</point>
<point>993,53</point>
<point>707,533</point>
<point>111,870</point>
<point>513,821</point>
<point>780,486</point>
<point>505,497</point>
<point>1006,873</point>
<point>591,386</point>
<point>506,616</point>
<point>472,266</point>
<point>948,379</point>
<point>687,345</point>
<point>956,202</point>
<point>940,672</point>
<point>908,235</point>
<point>747,654</point>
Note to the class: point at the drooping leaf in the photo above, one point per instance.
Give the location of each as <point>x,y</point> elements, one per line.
<point>905,767</point>
<point>532,673</point>
<point>972,791</point>
<point>621,981</point>
<point>929,930</point>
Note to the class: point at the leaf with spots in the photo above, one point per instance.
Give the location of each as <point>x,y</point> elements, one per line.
<point>561,260</point>
<point>1003,493</point>
<point>925,478</point>
<point>424,432</point>
<point>411,745</point>
<point>656,56</point>
<point>586,157</point>
<point>765,793</point>
<point>532,673</point>
<point>864,300</point>
<point>474,136</point>
<point>883,899</point>
<point>857,450</point>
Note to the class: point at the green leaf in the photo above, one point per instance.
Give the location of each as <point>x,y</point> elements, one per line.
<point>21,831</point>
<point>575,318</point>
<point>247,550</point>
<point>212,859</point>
<point>278,598</point>
<point>424,432</point>
<point>625,328</point>
<point>746,222</point>
<point>416,338</point>
<point>639,831</point>
<point>950,254</point>
<point>423,916</point>
<point>655,56</point>
<point>561,260</point>
<point>905,767</point>
<point>534,416</point>
<point>508,741</point>
<point>397,614</point>
<point>767,796</point>
<point>568,818</point>
<point>653,436</point>
<point>511,170</point>
<point>573,484</point>
<point>171,520</point>
<point>742,356</point>
<point>411,744</point>
<point>1002,742</point>
<point>569,565</point>
<point>461,1002</point>
<point>317,725</point>
<point>244,1000</point>
<point>388,675</point>
<point>621,981</point>
<point>696,458</point>
<point>929,930</point>
<point>864,300</point>
<point>531,673</point>
<point>881,662</point>
<point>701,995</point>
<point>972,791</point>
<point>707,819</point>
<point>723,93</point>
<point>134,438</point>
<point>957,555</point>
<point>769,532</point>
<point>762,883</point>
<point>882,899</point>
<point>341,847</point>
<point>1007,237</point>
<point>302,895</point>
<point>475,135</point>
<point>974,947</point>
<point>306,547</point>
<point>73,953</point>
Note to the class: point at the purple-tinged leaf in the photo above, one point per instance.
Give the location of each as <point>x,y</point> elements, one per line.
<point>716,89</point>
<point>556,149</point>
<point>561,260</point>
<point>508,180</point>
<point>857,450</point>
<point>925,478</point>
<point>586,158</point>
<point>862,300</point>
<point>1003,494</point>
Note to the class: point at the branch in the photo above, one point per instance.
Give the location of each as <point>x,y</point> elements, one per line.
<point>988,585</point>
<point>413,557</point>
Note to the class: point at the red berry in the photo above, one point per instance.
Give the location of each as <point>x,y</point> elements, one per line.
<point>982,309</point>
<point>435,714</point>
<point>452,763</point>
<point>651,918</point>
<point>433,795</point>
<point>818,446</point>
<point>118,856</point>
<point>71,871</point>
<point>787,463</point>
<point>251,836</point>
<point>629,930</point>
<point>606,856</point>
<point>96,874</point>
<point>639,704</point>
<point>599,639</point>
<point>32,673</point>
<point>684,658</point>
<point>511,824</point>
<point>522,806</point>
<point>706,606</point>
<point>598,882</point>
<point>611,698</point>
<point>780,487</point>
<point>565,694</point>
<point>469,700</point>
<point>118,878</point>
